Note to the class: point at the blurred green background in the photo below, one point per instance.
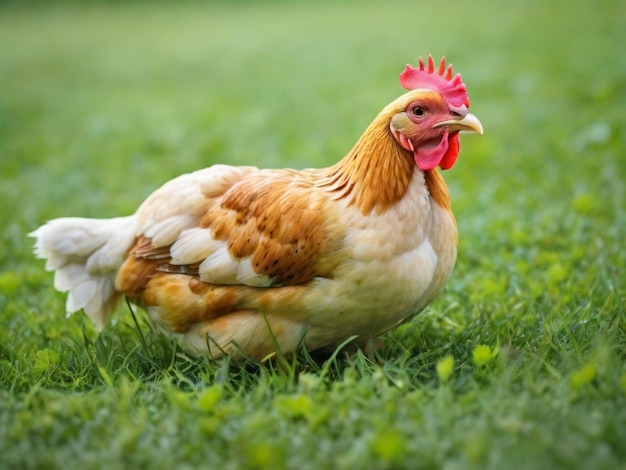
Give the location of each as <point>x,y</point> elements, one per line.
<point>102,102</point>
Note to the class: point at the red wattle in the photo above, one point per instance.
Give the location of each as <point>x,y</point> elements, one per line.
<point>449,159</point>
<point>427,157</point>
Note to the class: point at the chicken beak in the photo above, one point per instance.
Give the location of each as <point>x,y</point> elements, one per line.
<point>469,123</point>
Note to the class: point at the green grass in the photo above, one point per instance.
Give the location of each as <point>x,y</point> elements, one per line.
<point>521,363</point>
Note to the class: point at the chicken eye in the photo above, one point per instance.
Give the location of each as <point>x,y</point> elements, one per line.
<point>419,111</point>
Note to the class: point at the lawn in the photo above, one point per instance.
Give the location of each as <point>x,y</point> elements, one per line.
<point>520,363</point>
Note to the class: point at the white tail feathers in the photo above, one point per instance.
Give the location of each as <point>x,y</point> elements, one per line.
<point>86,255</point>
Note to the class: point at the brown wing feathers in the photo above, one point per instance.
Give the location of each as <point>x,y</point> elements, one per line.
<point>278,222</point>
<point>275,224</point>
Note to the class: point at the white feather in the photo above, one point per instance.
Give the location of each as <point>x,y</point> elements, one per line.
<point>86,254</point>
<point>215,180</point>
<point>67,276</point>
<point>80,294</point>
<point>219,267</point>
<point>164,233</point>
<point>193,245</point>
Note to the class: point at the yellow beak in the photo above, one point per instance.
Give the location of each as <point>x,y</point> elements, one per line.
<point>469,123</point>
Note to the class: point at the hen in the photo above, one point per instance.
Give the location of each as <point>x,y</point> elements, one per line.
<point>242,261</point>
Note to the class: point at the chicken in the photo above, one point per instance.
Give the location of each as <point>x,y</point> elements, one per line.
<point>248,262</point>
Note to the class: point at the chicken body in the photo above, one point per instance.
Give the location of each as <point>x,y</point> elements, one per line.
<point>352,274</point>
<point>244,261</point>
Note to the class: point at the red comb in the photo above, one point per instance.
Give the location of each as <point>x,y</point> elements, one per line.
<point>451,88</point>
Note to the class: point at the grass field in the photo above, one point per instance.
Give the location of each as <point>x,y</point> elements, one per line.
<point>520,364</point>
